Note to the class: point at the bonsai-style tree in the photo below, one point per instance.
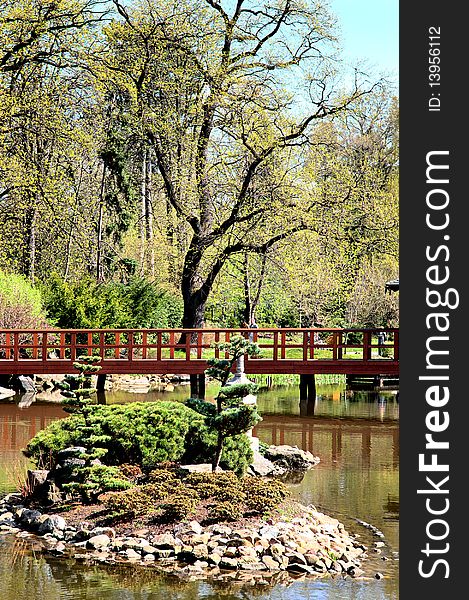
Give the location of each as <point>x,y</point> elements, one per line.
<point>92,477</point>
<point>229,416</point>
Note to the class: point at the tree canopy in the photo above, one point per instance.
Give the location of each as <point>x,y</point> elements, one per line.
<point>205,146</point>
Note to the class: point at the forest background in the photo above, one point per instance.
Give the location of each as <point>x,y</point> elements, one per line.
<point>174,163</point>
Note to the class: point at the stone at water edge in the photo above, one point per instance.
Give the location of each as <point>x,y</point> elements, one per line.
<point>291,457</point>
<point>98,541</point>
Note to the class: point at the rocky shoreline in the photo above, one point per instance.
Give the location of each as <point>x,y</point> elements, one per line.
<point>312,544</point>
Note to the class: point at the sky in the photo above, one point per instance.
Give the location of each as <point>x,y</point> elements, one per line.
<point>370,31</point>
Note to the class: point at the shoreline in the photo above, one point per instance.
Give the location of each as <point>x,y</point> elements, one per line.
<point>311,545</point>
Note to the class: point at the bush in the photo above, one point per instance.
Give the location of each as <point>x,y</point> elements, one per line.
<point>180,505</point>
<point>20,303</point>
<point>138,433</point>
<point>236,455</point>
<point>88,304</point>
<point>263,495</point>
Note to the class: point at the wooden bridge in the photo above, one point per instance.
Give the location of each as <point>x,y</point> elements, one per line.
<point>186,351</point>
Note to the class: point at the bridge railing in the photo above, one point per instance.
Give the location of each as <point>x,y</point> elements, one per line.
<point>124,345</point>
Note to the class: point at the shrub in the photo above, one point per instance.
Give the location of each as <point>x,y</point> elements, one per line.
<point>132,503</point>
<point>236,454</point>
<point>263,495</point>
<point>20,303</point>
<point>180,505</point>
<point>87,304</point>
<point>138,433</point>
<point>224,511</point>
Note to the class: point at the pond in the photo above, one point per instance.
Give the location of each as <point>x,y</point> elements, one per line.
<point>354,432</point>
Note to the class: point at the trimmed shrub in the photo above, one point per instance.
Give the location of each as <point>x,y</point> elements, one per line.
<point>263,495</point>
<point>180,505</point>
<point>139,433</point>
<point>224,511</point>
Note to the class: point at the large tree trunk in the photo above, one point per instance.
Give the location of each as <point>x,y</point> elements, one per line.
<point>194,311</point>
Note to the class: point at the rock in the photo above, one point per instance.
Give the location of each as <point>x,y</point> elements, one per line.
<point>379,575</point>
<point>6,393</point>
<point>52,493</point>
<point>295,558</point>
<point>164,540</point>
<point>200,468</point>
<point>270,563</point>
<point>30,518</point>
<point>200,538</point>
<point>277,549</point>
<point>98,541</point>
<point>7,519</point>
<point>220,529</point>
<point>163,553</point>
<point>26,384</point>
<point>6,516</point>
<point>200,552</point>
<point>109,531</point>
<point>228,563</point>
<point>13,499</point>
<point>214,558</point>
<point>50,524</point>
<point>36,479</point>
<point>262,467</point>
<point>300,568</point>
<point>356,572</point>
<point>291,458</point>
<point>149,557</point>
<point>196,527</point>
<point>131,554</point>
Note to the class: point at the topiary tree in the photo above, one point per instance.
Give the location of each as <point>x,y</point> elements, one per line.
<point>229,416</point>
<point>93,477</point>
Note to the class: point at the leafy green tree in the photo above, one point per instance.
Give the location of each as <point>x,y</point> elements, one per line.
<point>230,416</point>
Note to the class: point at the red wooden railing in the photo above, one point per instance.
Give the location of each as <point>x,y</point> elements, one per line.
<point>350,351</point>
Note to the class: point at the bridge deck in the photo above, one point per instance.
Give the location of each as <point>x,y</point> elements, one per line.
<point>186,351</point>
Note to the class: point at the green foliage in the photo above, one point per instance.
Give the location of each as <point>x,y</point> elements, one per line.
<point>20,303</point>
<point>263,495</point>
<point>176,495</point>
<point>87,304</point>
<point>180,505</point>
<point>131,503</point>
<point>230,417</point>
<point>224,511</point>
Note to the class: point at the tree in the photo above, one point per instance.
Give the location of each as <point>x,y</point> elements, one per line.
<point>207,86</point>
<point>230,416</point>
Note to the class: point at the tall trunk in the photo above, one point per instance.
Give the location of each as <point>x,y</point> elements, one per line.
<point>68,250</point>
<point>143,200</point>
<point>99,249</point>
<point>194,311</point>
<point>250,302</point>
<point>247,312</point>
<point>149,217</point>
<point>31,224</point>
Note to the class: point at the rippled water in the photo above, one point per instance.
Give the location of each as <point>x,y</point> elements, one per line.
<point>356,436</point>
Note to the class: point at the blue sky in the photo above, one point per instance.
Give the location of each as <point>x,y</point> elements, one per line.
<point>370,31</point>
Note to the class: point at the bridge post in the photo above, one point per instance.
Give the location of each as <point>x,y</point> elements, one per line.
<point>198,386</point>
<point>307,387</point>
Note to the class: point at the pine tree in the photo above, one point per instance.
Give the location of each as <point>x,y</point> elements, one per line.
<point>229,416</point>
